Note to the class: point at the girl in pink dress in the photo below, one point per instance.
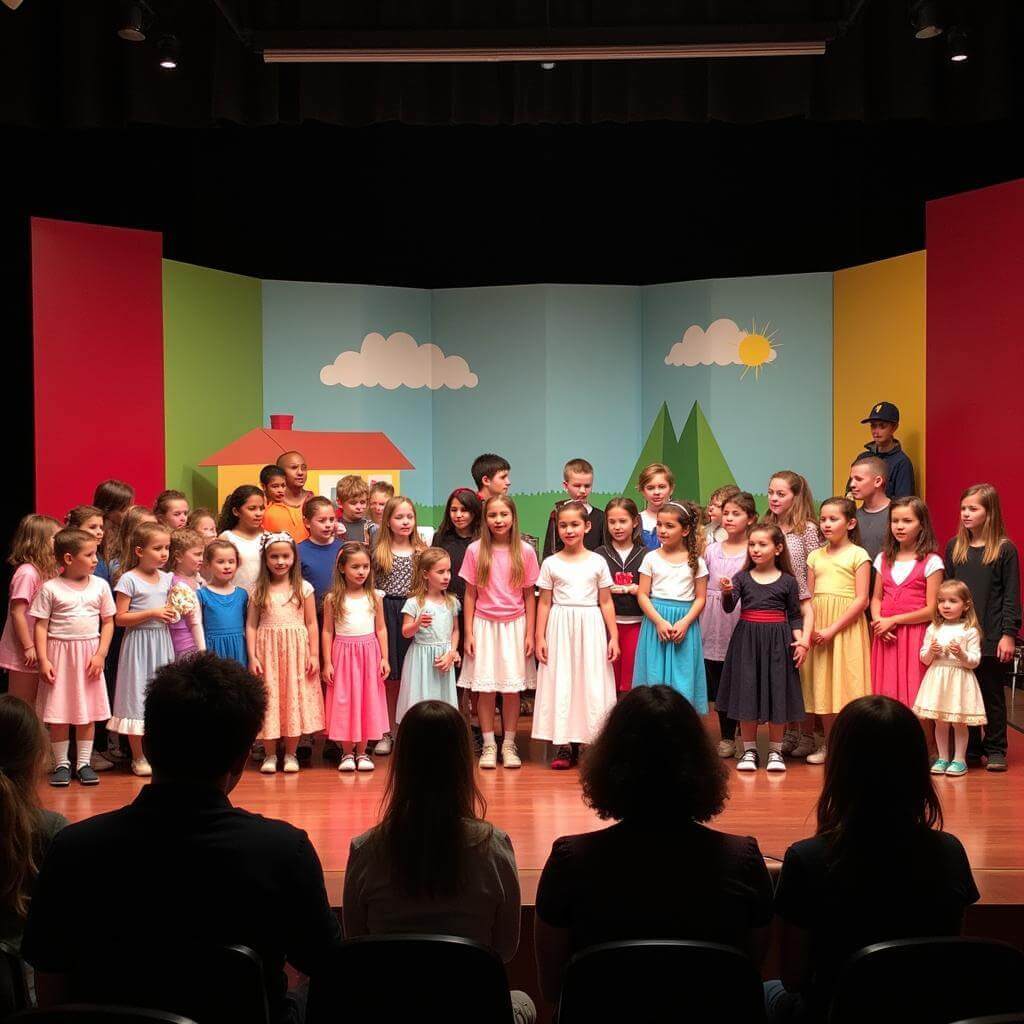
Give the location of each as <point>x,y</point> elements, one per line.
<point>281,634</point>
<point>908,573</point>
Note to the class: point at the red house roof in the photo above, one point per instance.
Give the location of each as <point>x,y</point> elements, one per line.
<point>323,449</point>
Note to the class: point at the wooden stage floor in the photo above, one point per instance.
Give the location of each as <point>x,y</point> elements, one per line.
<point>536,805</point>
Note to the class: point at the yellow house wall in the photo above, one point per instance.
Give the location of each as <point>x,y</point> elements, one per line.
<point>319,481</point>
<point>230,477</point>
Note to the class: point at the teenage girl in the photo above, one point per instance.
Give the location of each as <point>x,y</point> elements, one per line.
<point>949,693</point>
<point>171,509</point>
<point>500,570</point>
<point>241,522</point>
<point>673,592</point>
<point>74,616</point>
<point>724,559</point>
<point>791,509</point>
<point>760,682</point>
<point>577,640</point>
<point>354,644</point>
<point>907,577</point>
<point>839,661</point>
<point>281,636</point>
<point>113,498</point>
<point>623,551</point>
<point>656,483</point>
<point>34,562</point>
<point>223,604</point>
<point>983,557</point>
<point>185,560</point>
<point>141,596</point>
<point>430,621</point>
<point>395,547</point>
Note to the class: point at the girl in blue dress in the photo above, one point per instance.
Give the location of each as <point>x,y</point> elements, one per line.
<point>223,604</point>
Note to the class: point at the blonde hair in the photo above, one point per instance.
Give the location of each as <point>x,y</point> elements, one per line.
<point>261,592</point>
<point>484,557</point>
<point>993,533</point>
<point>352,486</point>
<point>381,487</point>
<point>141,537</point>
<point>164,498</point>
<point>339,584</point>
<point>383,556</point>
<point>801,512</point>
<point>197,514</point>
<point>577,466</point>
<point>648,473</point>
<point>427,560</point>
<point>182,541</point>
<point>33,544</point>
<point>134,517</point>
<point>970,616</point>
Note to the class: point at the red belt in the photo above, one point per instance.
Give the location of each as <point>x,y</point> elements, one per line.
<point>763,616</point>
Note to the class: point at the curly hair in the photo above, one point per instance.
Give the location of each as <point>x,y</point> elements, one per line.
<point>653,753</point>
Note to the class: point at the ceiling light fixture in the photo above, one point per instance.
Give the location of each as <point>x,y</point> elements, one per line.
<point>926,17</point>
<point>168,52</point>
<point>137,18</point>
<point>956,43</point>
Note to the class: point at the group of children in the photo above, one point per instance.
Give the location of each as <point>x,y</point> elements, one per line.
<point>779,620</point>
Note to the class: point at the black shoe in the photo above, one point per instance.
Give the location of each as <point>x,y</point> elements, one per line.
<point>996,763</point>
<point>86,776</point>
<point>61,775</point>
<point>305,755</point>
<point>974,757</point>
<point>332,752</point>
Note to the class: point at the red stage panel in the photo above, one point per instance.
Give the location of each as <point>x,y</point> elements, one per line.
<point>975,362</point>
<point>99,375</point>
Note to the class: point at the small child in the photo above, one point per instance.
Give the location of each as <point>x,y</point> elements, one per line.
<point>459,527</point>
<point>282,515</point>
<point>88,518</point>
<point>74,623</point>
<point>355,643</point>
<point>884,420</point>
<point>34,562</point>
<point>141,595</point>
<point>724,559</point>
<point>577,640</point>
<point>185,560</point>
<point>907,578</point>
<point>241,522</point>
<point>491,476</point>
<point>673,592</point>
<point>380,494</point>
<point>623,551</point>
<point>281,637</point>
<point>656,483</point>
<point>713,528</point>
<point>949,692</point>
<point>430,620</point>
<point>320,550</point>
<point>760,682</point>
<point>867,485</point>
<point>578,481</point>
<point>839,662</point>
<point>224,605</point>
<point>204,522</point>
<point>353,494</point>
<point>171,510</point>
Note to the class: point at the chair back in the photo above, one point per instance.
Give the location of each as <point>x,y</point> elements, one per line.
<point>660,980</point>
<point>411,977</point>
<point>13,988</point>
<point>84,1013</point>
<point>929,981</point>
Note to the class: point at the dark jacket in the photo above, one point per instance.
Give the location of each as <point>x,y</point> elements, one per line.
<point>995,591</point>
<point>900,481</point>
<point>626,605</point>
<point>592,541</point>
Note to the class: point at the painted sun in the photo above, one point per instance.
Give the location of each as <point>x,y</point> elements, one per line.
<point>756,350</point>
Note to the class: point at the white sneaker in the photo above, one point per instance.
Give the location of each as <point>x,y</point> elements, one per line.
<point>790,739</point>
<point>269,766</point>
<point>806,744</point>
<point>726,748</point>
<point>347,763</point>
<point>818,757</point>
<point>364,763</point>
<point>510,755</point>
<point>749,762</point>
<point>291,764</point>
<point>383,747</point>
<point>775,762</point>
<point>140,766</point>
<point>489,756</point>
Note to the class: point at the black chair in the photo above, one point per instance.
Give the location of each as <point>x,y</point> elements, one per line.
<point>212,985</point>
<point>411,977</point>
<point>83,1013</point>
<point>660,980</point>
<point>929,981</point>
<point>999,1018</point>
<point>13,988</point>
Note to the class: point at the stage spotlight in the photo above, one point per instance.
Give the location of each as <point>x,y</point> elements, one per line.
<point>134,22</point>
<point>926,17</point>
<point>548,65</point>
<point>168,52</point>
<point>956,43</point>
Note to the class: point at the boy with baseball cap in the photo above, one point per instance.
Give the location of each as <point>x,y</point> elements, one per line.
<point>884,419</point>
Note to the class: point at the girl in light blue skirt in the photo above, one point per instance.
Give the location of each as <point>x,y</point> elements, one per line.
<point>673,590</point>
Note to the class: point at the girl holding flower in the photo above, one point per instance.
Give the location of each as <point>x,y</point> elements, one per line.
<point>185,560</point>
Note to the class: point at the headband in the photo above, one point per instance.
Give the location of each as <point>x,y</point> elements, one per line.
<point>275,538</point>
<point>682,508</point>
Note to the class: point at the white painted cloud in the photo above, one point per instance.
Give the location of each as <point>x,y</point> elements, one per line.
<point>398,361</point>
<point>719,345</point>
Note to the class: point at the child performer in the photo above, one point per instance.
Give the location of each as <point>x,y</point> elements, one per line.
<point>673,592</point>
<point>34,562</point>
<point>223,604</point>
<point>113,498</point>
<point>760,682</point>
<point>353,493</point>
<point>74,622</point>
<point>241,523</point>
<point>280,633</point>
<point>907,577</point>
<point>578,481</point>
<point>459,528</point>
<point>395,549</point>
<point>355,643</point>
<point>839,660</point>
<point>656,483</point>
<point>320,550</point>
<point>491,475</point>
<point>430,620</point>
<point>500,570</point>
<point>577,640</point>
<point>713,528</point>
<point>185,561</point>
<point>380,494</point>
<point>141,595</point>
<point>623,551</point>
<point>724,559</point>
<point>171,510</point>
<point>88,518</point>
<point>983,557</point>
<point>949,693</point>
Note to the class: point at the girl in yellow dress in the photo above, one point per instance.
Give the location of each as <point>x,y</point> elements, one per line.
<point>839,661</point>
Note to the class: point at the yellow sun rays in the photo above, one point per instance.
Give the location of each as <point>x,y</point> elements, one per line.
<point>756,349</point>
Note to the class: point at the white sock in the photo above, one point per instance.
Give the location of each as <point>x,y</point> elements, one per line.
<point>509,737</point>
<point>777,747</point>
<point>749,745</point>
<point>488,737</point>
<point>83,753</point>
<point>60,753</point>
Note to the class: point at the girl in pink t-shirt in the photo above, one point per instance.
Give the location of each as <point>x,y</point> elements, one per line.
<point>500,571</point>
<point>34,562</point>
